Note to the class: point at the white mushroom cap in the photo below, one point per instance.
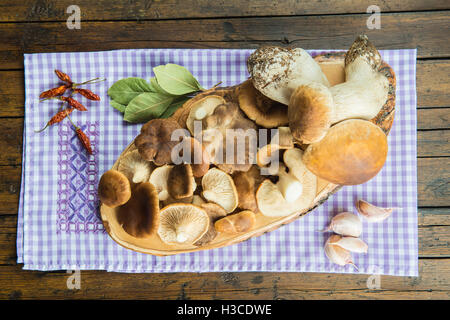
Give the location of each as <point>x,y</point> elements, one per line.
<point>158,178</point>
<point>203,108</point>
<point>134,167</point>
<point>182,224</point>
<point>218,187</point>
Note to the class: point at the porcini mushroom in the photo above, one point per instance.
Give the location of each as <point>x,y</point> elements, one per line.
<point>180,182</point>
<point>135,167</point>
<point>276,72</point>
<point>202,108</point>
<point>313,108</point>
<point>236,223</point>
<point>215,212</point>
<point>139,217</point>
<point>159,178</point>
<point>114,189</point>
<point>352,152</point>
<point>182,224</point>
<point>155,140</point>
<point>259,108</point>
<point>218,187</point>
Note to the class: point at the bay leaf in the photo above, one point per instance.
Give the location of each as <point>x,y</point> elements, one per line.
<point>117,106</point>
<point>175,79</point>
<point>173,107</point>
<point>125,90</point>
<point>156,87</point>
<point>147,106</point>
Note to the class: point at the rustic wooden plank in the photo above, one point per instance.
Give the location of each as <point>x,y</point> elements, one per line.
<point>434,216</point>
<point>424,30</point>
<point>433,143</point>
<point>433,184</point>
<point>52,10</point>
<point>433,86</point>
<point>433,118</point>
<point>433,283</point>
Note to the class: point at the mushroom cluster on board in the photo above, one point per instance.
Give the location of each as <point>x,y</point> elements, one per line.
<point>326,131</point>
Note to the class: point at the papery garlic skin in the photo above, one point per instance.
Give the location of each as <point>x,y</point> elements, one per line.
<point>351,244</point>
<point>371,212</point>
<point>346,224</point>
<point>337,254</point>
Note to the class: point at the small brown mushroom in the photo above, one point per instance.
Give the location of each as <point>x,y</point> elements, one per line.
<point>236,223</point>
<point>155,141</point>
<point>180,182</point>
<point>114,189</point>
<point>135,167</point>
<point>259,108</point>
<point>139,217</point>
<point>214,212</point>
<point>246,184</point>
<point>194,153</point>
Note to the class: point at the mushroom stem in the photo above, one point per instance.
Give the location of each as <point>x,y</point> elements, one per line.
<point>290,187</point>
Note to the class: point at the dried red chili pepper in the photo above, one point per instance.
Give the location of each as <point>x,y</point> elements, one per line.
<point>87,94</point>
<point>84,139</point>
<point>53,92</point>
<point>64,77</point>
<point>74,103</point>
<point>60,116</point>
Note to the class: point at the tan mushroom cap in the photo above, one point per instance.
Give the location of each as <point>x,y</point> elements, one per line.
<point>180,182</point>
<point>218,187</point>
<point>352,152</point>
<point>182,223</point>
<point>155,140</point>
<point>114,189</point>
<point>159,178</point>
<point>236,223</point>
<point>259,108</point>
<point>135,167</point>
<point>310,112</point>
<point>201,109</point>
<point>139,217</point>
<point>214,212</point>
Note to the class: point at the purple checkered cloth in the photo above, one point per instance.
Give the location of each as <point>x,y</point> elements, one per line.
<point>59,226</point>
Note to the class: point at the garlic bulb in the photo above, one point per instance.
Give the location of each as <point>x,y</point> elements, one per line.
<point>336,253</point>
<point>372,213</point>
<point>346,224</point>
<point>350,243</point>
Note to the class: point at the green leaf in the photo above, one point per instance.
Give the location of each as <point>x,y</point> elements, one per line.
<point>173,107</point>
<point>147,106</point>
<point>117,106</point>
<point>125,90</point>
<point>156,87</point>
<point>175,79</point>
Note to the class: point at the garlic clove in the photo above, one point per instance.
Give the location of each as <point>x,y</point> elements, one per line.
<point>346,224</point>
<point>373,213</point>
<point>337,254</point>
<point>351,244</point>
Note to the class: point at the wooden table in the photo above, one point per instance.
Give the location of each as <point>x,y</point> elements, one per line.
<point>40,26</point>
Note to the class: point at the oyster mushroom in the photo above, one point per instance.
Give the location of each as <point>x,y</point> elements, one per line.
<point>180,181</point>
<point>214,212</point>
<point>159,178</point>
<point>352,152</point>
<point>246,184</point>
<point>313,107</point>
<point>281,141</point>
<point>135,167</point>
<point>276,72</point>
<point>192,152</point>
<point>155,140</point>
<point>259,108</point>
<point>139,217</point>
<point>202,108</point>
<point>236,223</point>
<point>182,224</point>
<point>218,187</point>
<point>114,189</point>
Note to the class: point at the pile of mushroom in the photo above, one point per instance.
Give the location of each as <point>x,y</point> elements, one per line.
<point>323,131</point>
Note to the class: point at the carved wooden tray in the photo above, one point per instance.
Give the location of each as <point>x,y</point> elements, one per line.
<point>332,65</point>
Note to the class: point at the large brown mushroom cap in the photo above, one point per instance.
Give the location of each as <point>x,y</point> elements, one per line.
<point>114,189</point>
<point>180,181</point>
<point>139,217</point>
<point>352,152</point>
<point>155,143</point>
<point>265,112</point>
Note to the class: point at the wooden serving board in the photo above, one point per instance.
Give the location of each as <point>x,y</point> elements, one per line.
<point>332,65</point>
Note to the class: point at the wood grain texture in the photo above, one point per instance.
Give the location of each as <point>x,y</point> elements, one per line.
<point>424,31</point>
<point>433,283</point>
<point>52,10</point>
